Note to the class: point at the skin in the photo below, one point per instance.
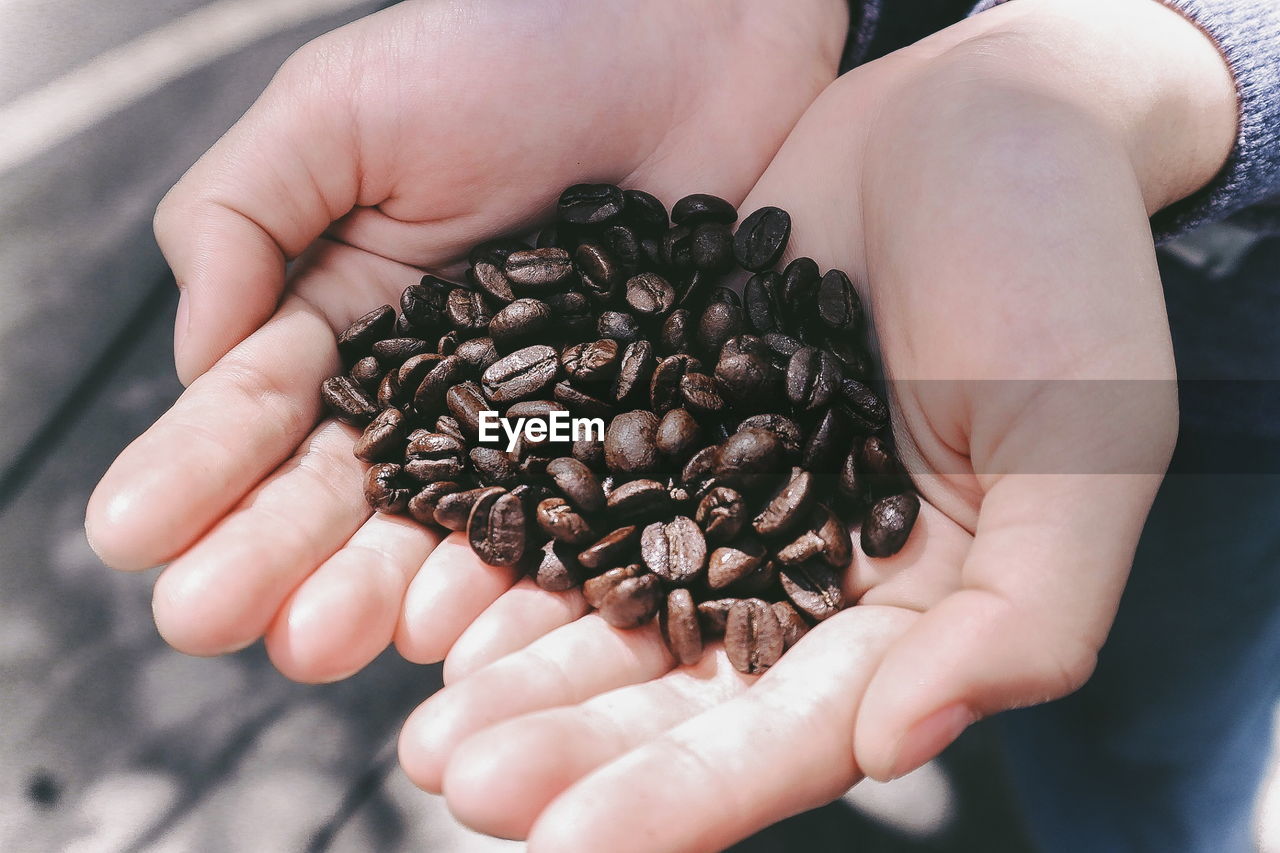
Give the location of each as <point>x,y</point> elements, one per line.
<point>988,189</point>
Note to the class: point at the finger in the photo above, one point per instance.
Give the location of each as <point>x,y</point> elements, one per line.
<point>1042,583</point>
<point>521,615</point>
<point>566,666</point>
<point>344,614</point>
<point>257,198</point>
<point>451,589</point>
<point>779,748</point>
<point>222,593</point>
<point>500,779</point>
<point>237,422</point>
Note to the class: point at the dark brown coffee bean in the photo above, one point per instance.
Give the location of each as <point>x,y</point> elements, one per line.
<point>495,251</point>
<point>864,406</point>
<point>664,386</point>
<point>366,373</point>
<point>448,425</point>
<point>852,356</point>
<point>730,564</point>
<point>448,343</point>
<point>814,588</point>
<point>813,378</point>
<point>496,529</point>
<point>468,312</point>
<point>557,235</point>
<point>433,456</point>
<point>799,291</point>
<point>692,292</point>
<point>675,551</point>
<point>701,393</point>
<point>595,361</point>
<point>749,459</point>
<point>453,509</point>
<point>784,428</point>
<point>476,355</point>
<point>536,271</point>
<point>575,318</point>
<point>623,243</point>
<point>384,489</point>
<point>761,238</point>
<point>639,500</point>
<point>850,484</point>
<point>828,437</point>
<point>781,348</point>
<point>678,621</point>
<point>877,461</point>
<point>347,401</point>
<point>601,274</point>
<point>634,370</point>
<point>792,623</point>
<point>534,410</point>
<point>382,438</point>
<point>649,295</point>
<point>678,434</point>
<point>557,569</point>
<point>711,247</point>
<point>580,402</point>
<point>721,513</point>
<point>630,447</point>
<point>357,340</point>
<point>701,207</point>
<point>595,589</point>
<point>493,281</point>
<point>633,602</point>
<point>826,538</point>
<point>521,375</point>
<point>590,204</point>
<point>522,320</point>
<point>676,253</point>
<point>644,212</point>
<point>389,391</point>
<point>494,467</point>
<point>466,401</point>
<point>676,334</point>
<point>444,374</point>
<point>619,326</point>
<point>888,524</point>
<point>719,322</point>
<point>392,352</point>
<point>422,305</point>
<point>610,550</point>
<point>839,308</point>
<point>410,374</point>
<point>422,506</point>
<point>788,506</point>
<point>753,638</point>
<point>578,483</point>
<point>747,380</point>
<point>700,466</point>
<point>589,451</point>
<point>760,298</point>
<point>563,523</point>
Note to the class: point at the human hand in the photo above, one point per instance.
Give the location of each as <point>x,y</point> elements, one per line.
<point>997,222</point>
<point>381,150</point>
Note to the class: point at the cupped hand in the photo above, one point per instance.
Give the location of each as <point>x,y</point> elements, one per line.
<point>1000,235</point>
<point>383,149</point>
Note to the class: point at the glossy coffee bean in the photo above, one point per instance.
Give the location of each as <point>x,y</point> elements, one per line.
<point>664,385</point>
<point>702,207</point>
<point>813,379</point>
<point>634,371</point>
<point>677,245</point>
<point>357,340</point>
<point>792,623</point>
<point>520,375</point>
<point>784,429</point>
<point>347,401</point>
<point>644,212</point>
<point>453,509</point>
<point>638,501</point>
<point>433,456</point>
<point>630,446</point>
<point>410,374</point>
<point>888,524</point>
<point>676,334</point>
<point>560,521</point>
<point>730,564</point>
<point>578,483</point>
<point>465,402</point>
<point>620,326</point>
<point>494,467</point>
<point>610,550</point>
<point>382,438</point>
<point>749,459</point>
<point>701,393</point>
<point>493,281</point>
<point>753,639</point>
<point>389,394</point>
<point>788,506</point>
<point>711,247</point>
<point>722,514</point>
<point>429,398</point>
<point>595,589</point>
<point>678,621</point>
<point>814,589</point>
<point>384,488</point>
<point>592,361</point>
<point>422,305</point>
<point>476,355</point>
<point>824,537</point>
<point>366,373</point>
<point>746,380</point>
<point>839,308</point>
<point>649,295</point>
<point>675,551</point>
<point>761,238</point>
<point>633,602</point>
<point>719,322</point>
<point>623,242</point>
<point>827,439</point>
<point>867,411</point>
<point>678,434</point>
<point>798,294</point>
<point>468,312</point>
<point>557,570</point>
<point>590,204</point>
<point>600,272</point>
<point>760,299</point>
<point>497,529</point>
<point>391,352</point>
<point>537,271</point>
<point>422,506</point>
<point>523,320</point>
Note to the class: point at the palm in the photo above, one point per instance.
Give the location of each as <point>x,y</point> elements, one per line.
<point>423,129</point>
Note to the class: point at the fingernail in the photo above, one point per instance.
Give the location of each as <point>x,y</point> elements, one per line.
<point>930,736</point>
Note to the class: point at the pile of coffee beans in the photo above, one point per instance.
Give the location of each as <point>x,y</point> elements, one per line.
<point>738,440</point>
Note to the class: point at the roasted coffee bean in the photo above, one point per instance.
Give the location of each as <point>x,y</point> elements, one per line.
<point>678,621</point>
<point>448,425</point>
<point>391,352</point>
<point>557,235</point>
<point>664,386</point>
<point>595,589</point>
<point>443,375</point>
<point>825,537</point>
<point>536,271</point>
<point>678,434</point>
<point>677,246</point>
<point>633,602</point>
<point>447,343</point>
<point>675,551</point>
<point>813,378</point>
<point>747,380</point>
<point>422,305</point>
<point>839,308</point>
<point>532,466</point>
<point>476,355</point>
<point>784,428</point>
<point>493,281</point>
<point>746,344</point>
<point>466,401</point>
<point>601,275</point>
<point>719,322</point>
<point>721,513</point>
<point>781,348</point>
<point>692,292</point>
<point>788,506</point>
<point>495,251</point>
<point>563,523</point>
<point>638,500</point>
<point>649,295</point>
<point>799,291</point>
<point>878,462</point>
<point>557,569</point>
<point>713,615</point>
<point>574,317</point>
<point>850,485</point>
<point>760,298</point>
<point>814,588</point>
<point>630,445</point>
<point>619,326</point>
<point>468,312</point>
<point>580,402</point>
<point>422,506</point>
<point>366,373</point>
<point>589,451</point>
<point>851,355</point>
<point>536,411</point>
<point>730,564</point>
<point>609,550</point>
<point>389,391</point>
<point>433,456</point>
<point>761,238</point>
<point>590,204</point>
<point>792,623</point>
<point>711,247</point>
<point>590,362</point>
<point>531,494</point>
<point>410,374</point>
<point>749,459</point>
<point>496,528</point>
<point>701,393</point>
<point>827,439</point>
<point>453,510</point>
<point>701,207</point>
<point>578,483</point>
<point>753,638</point>
<point>644,212</point>
<point>382,438</point>
<point>521,375</point>
<point>634,370</point>
<point>347,401</point>
<point>868,411</point>
<point>888,524</point>
<point>725,294</point>
<point>384,489</point>
<point>494,467</point>
<point>675,336</point>
<point>357,340</point>
<point>700,465</point>
<point>522,320</point>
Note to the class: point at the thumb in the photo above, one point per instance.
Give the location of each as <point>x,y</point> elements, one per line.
<point>256,199</point>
